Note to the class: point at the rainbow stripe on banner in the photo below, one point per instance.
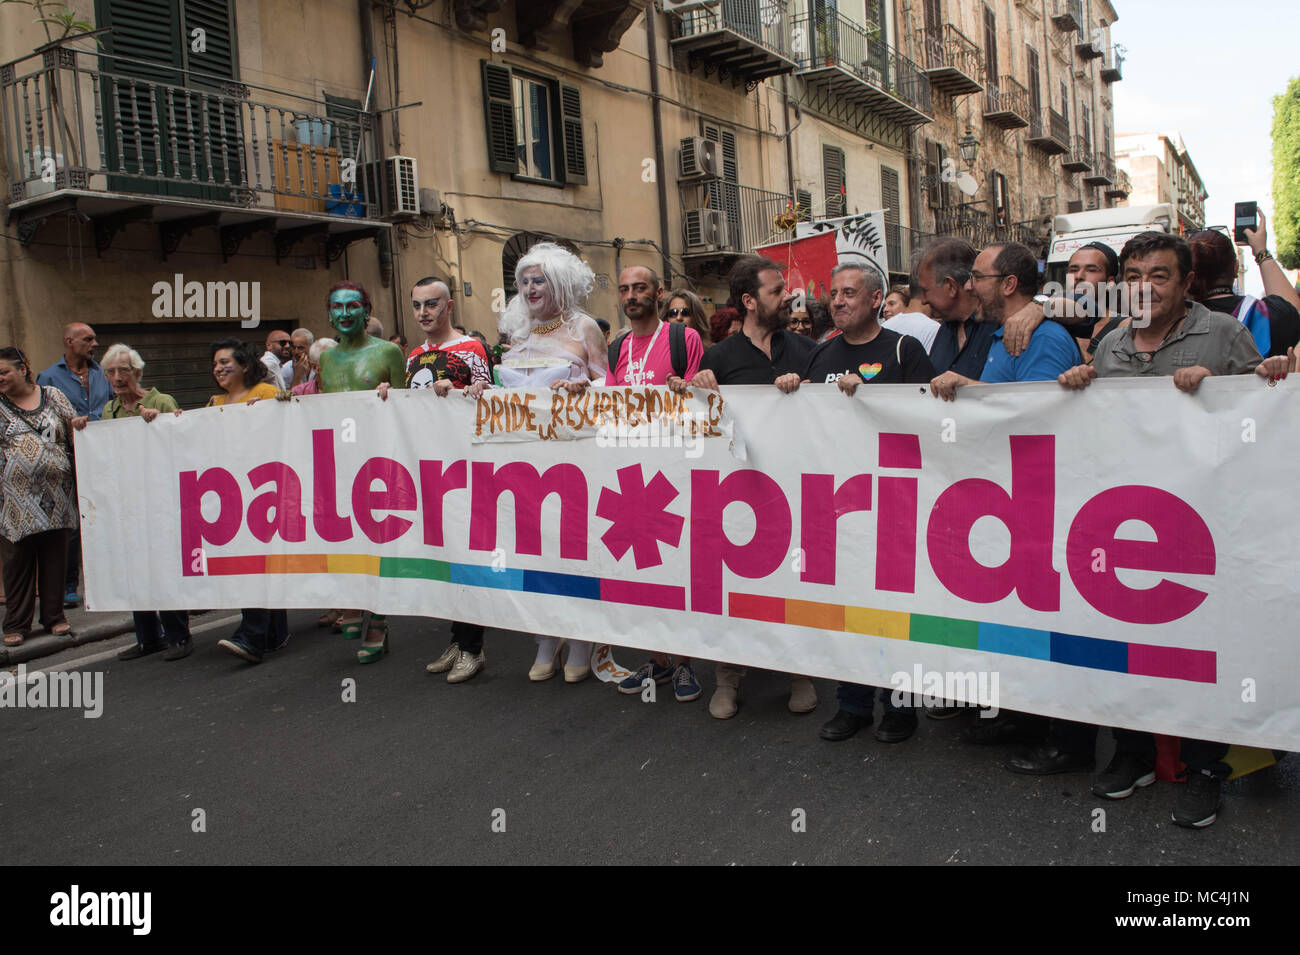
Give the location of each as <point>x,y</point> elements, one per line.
<point>1139,659</point>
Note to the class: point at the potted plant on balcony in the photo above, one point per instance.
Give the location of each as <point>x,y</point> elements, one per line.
<point>68,26</point>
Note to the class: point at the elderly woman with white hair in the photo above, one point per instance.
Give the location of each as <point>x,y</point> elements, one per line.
<point>554,343</point>
<point>312,385</point>
<point>167,630</point>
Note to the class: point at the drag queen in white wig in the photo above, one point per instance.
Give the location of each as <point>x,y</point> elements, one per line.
<point>554,343</point>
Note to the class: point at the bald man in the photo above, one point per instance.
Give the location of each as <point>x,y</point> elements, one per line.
<point>448,360</point>
<point>82,382</point>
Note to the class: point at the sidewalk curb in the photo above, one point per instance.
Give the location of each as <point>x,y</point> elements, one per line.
<point>47,644</point>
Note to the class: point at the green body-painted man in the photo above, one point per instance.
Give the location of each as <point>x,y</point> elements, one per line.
<point>360,362</point>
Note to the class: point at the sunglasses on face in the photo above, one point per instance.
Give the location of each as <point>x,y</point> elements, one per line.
<point>674,312</point>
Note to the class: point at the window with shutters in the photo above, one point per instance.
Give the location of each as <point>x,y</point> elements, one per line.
<point>534,126</point>
<point>1001,200</point>
<point>182,49</point>
<point>891,199</point>
<point>935,156</point>
<point>1087,130</point>
<point>724,193</point>
<point>837,199</point>
<point>1034,83</point>
<point>991,44</point>
<point>803,204</point>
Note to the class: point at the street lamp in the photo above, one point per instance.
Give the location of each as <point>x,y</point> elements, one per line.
<point>968,146</point>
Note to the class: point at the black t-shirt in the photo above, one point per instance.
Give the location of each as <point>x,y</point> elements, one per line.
<point>737,361</point>
<point>889,358</point>
<point>1283,319</point>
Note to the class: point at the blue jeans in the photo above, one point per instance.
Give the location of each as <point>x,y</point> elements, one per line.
<point>859,699</point>
<point>263,629</point>
<point>175,627</point>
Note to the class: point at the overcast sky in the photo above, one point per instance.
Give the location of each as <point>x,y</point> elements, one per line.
<point>1210,71</point>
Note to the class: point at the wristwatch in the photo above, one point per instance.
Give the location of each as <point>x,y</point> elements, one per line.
<point>1262,256</point>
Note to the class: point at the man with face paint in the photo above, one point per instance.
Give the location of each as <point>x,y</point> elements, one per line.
<point>360,362</point>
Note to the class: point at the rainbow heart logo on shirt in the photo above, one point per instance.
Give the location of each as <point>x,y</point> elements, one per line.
<point>869,371</point>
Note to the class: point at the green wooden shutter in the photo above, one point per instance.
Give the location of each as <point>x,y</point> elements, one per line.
<point>803,204</point>
<point>837,200</point>
<point>499,115</point>
<point>575,150</point>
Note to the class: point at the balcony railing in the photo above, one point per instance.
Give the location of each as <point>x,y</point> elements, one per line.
<point>1103,171</point>
<point>68,125</point>
<point>1112,70</point>
<point>1049,131</point>
<point>1067,15</point>
<point>1006,103</point>
<point>981,229</point>
<point>1120,186</point>
<point>847,61</point>
<point>748,212</point>
<point>741,38</point>
<point>901,243</point>
<point>952,62</point>
<point>1079,158</point>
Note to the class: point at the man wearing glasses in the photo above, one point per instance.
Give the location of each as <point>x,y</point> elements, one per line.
<point>279,351</point>
<point>1003,280</point>
<point>962,342</point>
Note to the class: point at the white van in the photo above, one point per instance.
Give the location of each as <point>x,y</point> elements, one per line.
<point>1114,227</point>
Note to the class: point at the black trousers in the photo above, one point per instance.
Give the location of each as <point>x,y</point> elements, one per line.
<point>1199,755</point>
<point>469,636</point>
<point>173,630</point>
<point>36,559</point>
<point>74,561</point>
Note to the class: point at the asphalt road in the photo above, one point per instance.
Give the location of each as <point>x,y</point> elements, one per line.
<point>416,771</point>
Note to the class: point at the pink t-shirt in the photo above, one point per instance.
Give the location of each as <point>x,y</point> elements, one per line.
<point>655,367</point>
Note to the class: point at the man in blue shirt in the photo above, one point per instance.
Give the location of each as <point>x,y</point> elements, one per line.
<point>82,382</point>
<point>1004,279</point>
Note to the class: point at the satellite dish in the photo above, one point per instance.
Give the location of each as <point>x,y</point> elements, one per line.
<point>967,184</point>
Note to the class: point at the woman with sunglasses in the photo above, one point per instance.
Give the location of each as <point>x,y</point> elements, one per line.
<point>38,504</point>
<point>684,307</point>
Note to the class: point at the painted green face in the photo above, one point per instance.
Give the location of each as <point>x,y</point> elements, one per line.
<point>347,313</point>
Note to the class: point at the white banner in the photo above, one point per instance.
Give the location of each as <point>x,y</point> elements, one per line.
<point>1122,556</point>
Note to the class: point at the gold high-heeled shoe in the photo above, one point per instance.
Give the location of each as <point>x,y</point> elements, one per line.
<point>541,672</point>
<point>576,674</point>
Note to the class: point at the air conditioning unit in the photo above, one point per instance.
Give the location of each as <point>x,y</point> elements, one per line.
<point>706,229</point>
<point>698,158</point>
<point>393,184</point>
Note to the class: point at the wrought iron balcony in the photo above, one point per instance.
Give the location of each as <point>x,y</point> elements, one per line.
<point>119,148</point>
<point>744,40</point>
<point>1112,71</point>
<point>1078,159</point>
<point>1103,171</point>
<point>981,229</point>
<point>953,63</point>
<point>1049,132</point>
<point>1006,104</point>
<point>1121,187</point>
<point>1067,15</point>
<point>725,219</point>
<point>846,61</point>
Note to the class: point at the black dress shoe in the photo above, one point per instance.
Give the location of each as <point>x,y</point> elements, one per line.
<point>896,726</point>
<point>1048,760</point>
<point>179,651</point>
<point>843,725</point>
<point>1007,727</point>
<point>138,650</point>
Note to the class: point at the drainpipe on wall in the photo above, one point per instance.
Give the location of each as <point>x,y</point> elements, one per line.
<point>384,242</point>
<point>789,146</point>
<point>661,171</point>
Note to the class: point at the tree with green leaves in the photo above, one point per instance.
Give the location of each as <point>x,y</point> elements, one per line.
<point>1286,175</point>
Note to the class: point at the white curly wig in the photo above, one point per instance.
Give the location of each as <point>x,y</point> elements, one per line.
<point>570,279</point>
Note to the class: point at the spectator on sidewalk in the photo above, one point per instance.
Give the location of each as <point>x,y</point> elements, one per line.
<point>278,358</point>
<point>38,503</point>
<point>82,382</point>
